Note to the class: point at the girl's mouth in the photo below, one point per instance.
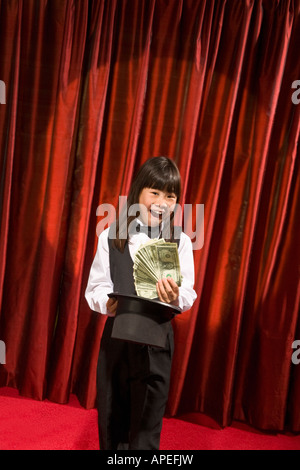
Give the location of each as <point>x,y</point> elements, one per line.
<point>157,214</point>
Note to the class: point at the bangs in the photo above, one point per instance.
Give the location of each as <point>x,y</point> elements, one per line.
<point>169,184</point>
<point>164,175</point>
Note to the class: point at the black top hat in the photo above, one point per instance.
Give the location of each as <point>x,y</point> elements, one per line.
<point>142,320</point>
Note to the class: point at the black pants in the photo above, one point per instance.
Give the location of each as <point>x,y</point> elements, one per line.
<point>133,386</point>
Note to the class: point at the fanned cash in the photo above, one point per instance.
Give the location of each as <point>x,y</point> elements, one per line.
<point>153,261</point>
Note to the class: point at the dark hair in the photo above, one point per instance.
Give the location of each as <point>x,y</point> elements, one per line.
<point>157,173</point>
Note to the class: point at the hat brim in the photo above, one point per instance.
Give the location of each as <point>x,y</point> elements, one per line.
<point>142,320</point>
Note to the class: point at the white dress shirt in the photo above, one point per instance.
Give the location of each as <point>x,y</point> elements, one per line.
<point>100,283</point>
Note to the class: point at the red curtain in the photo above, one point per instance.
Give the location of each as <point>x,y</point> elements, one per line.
<point>93,89</point>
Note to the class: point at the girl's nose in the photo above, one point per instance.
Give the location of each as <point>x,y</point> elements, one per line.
<point>161,202</point>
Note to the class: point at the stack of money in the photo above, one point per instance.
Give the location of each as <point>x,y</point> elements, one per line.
<point>153,261</point>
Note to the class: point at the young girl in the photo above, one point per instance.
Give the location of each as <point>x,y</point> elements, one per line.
<point>133,379</point>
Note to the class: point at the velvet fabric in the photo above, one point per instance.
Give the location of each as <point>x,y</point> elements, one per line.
<point>95,88</point>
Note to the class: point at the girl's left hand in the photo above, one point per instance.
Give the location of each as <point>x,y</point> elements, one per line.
<point>167,290</point>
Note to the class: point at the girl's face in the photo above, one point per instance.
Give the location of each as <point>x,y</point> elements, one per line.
<point>156,205</point>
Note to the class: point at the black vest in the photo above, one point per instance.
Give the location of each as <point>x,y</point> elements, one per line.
<point>121,268</point>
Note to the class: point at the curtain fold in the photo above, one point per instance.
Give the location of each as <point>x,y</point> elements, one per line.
<point>245,175</point>
<point>94,89</point>
<point>10,43</point>
<point>86,150</point>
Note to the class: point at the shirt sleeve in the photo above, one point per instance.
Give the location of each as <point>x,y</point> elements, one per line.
<point>187,294</point>
<point>99,282</point>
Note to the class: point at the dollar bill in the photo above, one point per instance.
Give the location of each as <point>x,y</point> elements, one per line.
<point>168,262</point>
<point>153,261</point>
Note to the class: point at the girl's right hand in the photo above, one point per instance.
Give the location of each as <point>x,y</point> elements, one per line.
<point>111,306</point>
<point>168,291</point>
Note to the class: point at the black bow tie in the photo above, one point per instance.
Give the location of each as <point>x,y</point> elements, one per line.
<point>152,232</point>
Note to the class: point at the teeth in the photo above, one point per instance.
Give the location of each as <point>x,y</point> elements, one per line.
<point>156,212</point>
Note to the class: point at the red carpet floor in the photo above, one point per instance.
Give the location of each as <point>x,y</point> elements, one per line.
<point>33,425</point>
